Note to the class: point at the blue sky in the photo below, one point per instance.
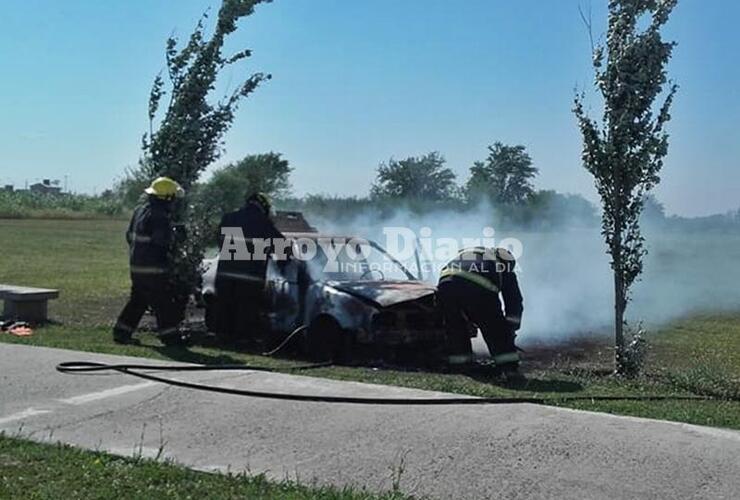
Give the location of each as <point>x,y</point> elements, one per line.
<point>356,82</point>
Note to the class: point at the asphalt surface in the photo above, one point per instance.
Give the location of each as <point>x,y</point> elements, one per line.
<point>507,451</point>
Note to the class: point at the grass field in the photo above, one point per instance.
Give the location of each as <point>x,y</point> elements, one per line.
<point>87,261</point>
<point>32,470</point>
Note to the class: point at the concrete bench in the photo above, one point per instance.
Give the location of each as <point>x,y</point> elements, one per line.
<point>26,303</point>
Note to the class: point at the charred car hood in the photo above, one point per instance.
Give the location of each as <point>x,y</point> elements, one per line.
<point>384,293</point>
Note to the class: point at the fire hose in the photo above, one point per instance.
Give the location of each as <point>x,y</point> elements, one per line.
<point>144,371</point>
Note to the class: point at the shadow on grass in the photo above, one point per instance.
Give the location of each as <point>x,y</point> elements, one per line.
<point>531,384</point>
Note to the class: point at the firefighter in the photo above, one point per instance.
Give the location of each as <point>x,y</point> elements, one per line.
<point>240,283</point>
<point>149,236</point>
<point>470,288</point>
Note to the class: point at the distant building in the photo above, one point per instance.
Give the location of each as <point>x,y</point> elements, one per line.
<point>45,187</point>
<point>8,188</point>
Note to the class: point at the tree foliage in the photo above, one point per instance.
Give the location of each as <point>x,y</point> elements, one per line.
<point>267,173</point>
<point>414,179</point>
<point>625,152</point>
<point>189,136</point>
<point>505,177</point>
<point>130,187</point>
<point>546,209</point>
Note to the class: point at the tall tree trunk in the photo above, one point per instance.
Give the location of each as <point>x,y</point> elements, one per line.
<point>620,302</point>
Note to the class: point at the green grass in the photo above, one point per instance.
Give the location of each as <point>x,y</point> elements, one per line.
<point>700,341</point>
<point>32,470</point>
<point>87,261</point>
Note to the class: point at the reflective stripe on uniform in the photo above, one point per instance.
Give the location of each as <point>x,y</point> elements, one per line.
<point>514,319</point>
<point>241,276</point>
<point>475,278</point>
<point>148,270</point>
<point>459,359</point>
<point>142,239</point>
<point>509,357</point>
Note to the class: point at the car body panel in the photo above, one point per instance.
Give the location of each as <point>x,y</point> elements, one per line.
<point>392,312</point>
<point>385,293</point>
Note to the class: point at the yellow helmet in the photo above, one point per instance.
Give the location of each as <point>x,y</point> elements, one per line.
<point>165,188</point>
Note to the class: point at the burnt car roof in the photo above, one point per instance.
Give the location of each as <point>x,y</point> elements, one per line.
<point>292,222</point>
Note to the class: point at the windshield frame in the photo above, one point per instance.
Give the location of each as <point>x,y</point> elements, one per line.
<point>403,268</point>
<point>321,277</point>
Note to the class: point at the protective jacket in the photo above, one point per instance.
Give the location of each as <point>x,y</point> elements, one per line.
<point>255,224</point>
<point>492,270</point>
<point>470,290</point>
<point>240,284</point>
<point>149,235</point>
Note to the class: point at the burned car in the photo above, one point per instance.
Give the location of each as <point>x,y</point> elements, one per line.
<point>369,305</point>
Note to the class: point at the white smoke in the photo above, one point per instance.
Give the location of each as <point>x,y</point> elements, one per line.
<point>565,276</point>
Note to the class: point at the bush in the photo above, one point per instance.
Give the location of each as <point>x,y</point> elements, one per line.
<point>26,204</point>
<point>631,358</point>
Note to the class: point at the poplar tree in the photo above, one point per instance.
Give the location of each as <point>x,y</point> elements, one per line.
<point>624,152</point>
<point>187,126</point>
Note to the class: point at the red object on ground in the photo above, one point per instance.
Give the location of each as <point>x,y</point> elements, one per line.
<point>21,331</point>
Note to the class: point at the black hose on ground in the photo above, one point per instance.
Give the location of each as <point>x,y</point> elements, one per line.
<point>285,342</point>
<point>144,372</point>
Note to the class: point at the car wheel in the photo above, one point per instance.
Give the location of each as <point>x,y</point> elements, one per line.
<point>323,340</point>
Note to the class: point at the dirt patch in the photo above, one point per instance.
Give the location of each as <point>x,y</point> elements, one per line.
<point>590,354</point>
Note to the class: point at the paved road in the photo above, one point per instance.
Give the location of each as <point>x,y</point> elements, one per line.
<point>507,451</point>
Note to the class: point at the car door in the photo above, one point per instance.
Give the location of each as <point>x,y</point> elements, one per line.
<point>283,294</point>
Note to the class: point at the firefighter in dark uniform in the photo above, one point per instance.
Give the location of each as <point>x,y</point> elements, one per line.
<point>240,284</point>
<point>149,236</point>
<point>470,291</point>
